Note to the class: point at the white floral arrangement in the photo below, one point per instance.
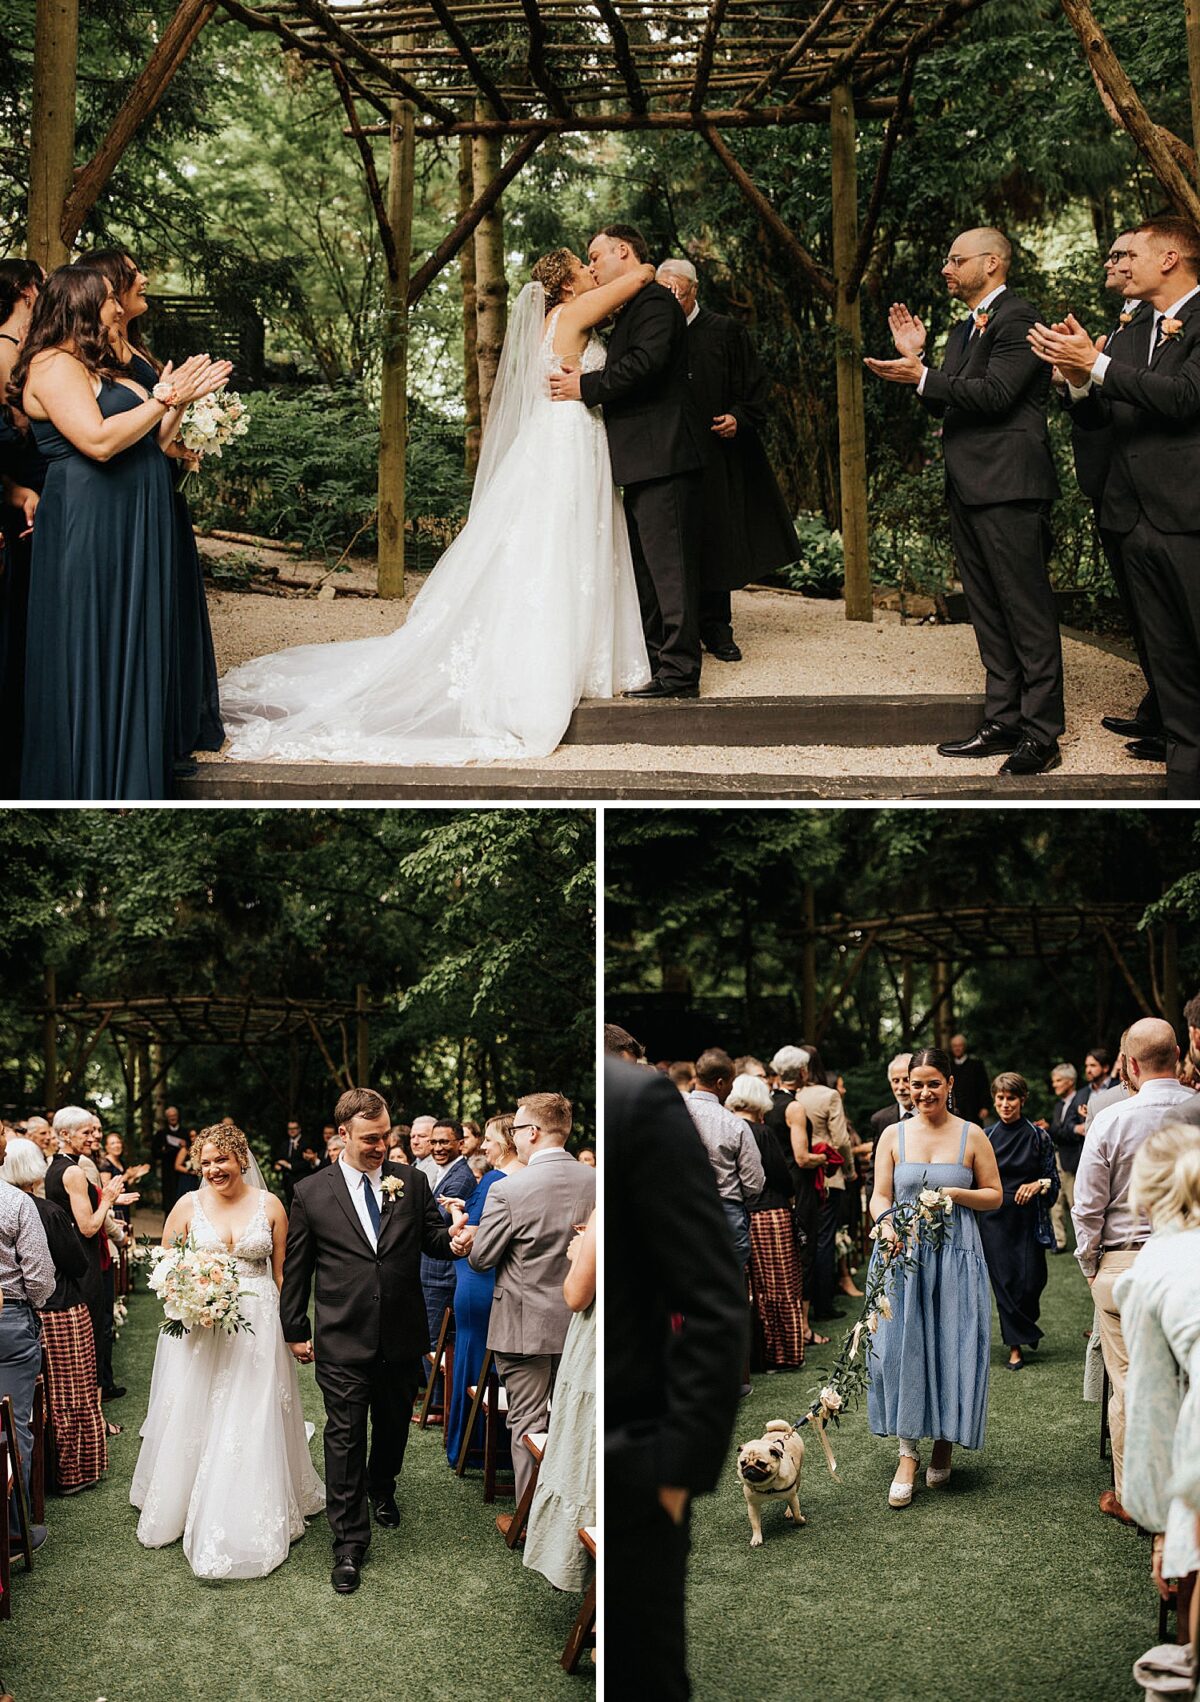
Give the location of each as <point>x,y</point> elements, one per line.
<point>392,1188</point>
<point>843,1243</point>
<point>199,1289</point>
<point>120,1318</point>
<point>212,422</point>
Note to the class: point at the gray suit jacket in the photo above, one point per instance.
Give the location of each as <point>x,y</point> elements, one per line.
<point>524,1234</point>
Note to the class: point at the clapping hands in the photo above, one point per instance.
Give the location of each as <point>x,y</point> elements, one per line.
<point>908,334</point>
<point>1068,347</point>
<point>198,376</point>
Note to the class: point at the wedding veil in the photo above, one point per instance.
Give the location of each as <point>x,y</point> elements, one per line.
<point>517,385</point>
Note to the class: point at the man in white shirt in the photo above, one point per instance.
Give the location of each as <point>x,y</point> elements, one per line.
<point>1108,1232</point>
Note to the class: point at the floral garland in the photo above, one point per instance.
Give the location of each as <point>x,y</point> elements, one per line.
<point>917,1223</point>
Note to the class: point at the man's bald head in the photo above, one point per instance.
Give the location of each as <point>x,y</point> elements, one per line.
<point>977,263</point>
<point>985,240</point>
<point>1151,1049</point>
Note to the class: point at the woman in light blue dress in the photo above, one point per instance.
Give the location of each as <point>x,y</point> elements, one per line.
<point>929,1359</point>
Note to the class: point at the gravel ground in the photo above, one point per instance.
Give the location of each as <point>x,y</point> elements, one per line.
<point>793,646</point>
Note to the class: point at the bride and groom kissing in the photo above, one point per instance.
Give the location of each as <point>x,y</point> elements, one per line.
<point>225,1460</point>
<point>555,589</point>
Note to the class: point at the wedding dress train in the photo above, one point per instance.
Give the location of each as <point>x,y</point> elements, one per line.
<point>532,607</point>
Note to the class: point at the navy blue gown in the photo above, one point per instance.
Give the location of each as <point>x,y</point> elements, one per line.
<point>19,461</point>
<point>195,704</point>
<point>1016,1260</point>
<point>472,1310</point>
<point>101,614</point>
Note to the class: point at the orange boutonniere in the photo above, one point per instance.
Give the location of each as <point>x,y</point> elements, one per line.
<point>1169,329</point>
<point>1127,315</point>
<point>982,320</point>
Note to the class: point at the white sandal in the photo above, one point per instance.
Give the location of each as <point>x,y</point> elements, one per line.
<point>901,1494</point>
<point>936,1476</point>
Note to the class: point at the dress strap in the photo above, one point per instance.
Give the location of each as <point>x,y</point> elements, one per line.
<point>900,1143</point>
<point>962,1151</point>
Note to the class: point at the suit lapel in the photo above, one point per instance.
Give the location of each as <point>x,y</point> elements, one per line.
<point>392,1208</point>
<point>337,1185</point>
<point>1185,318</point>
<point>960,355</point>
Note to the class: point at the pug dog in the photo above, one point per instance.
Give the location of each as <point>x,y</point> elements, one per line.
<point>771,1467</point>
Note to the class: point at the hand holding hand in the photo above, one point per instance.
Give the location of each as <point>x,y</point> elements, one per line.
<point>725,425</point>
<point>564,385</point>
<point>460,1242</point>
<point>908,333</point>
<point>303,1352</point>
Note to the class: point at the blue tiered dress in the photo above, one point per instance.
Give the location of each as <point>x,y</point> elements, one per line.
<point>929,1360</point>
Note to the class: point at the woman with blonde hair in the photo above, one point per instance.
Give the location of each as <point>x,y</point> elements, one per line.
<point>1159,1299</point>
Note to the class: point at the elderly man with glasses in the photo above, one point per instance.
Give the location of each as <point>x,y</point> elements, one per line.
<point>1000,482</point>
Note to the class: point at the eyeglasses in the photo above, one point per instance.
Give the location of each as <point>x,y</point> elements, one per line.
<point>957,260</point>
<point>1116,254</point>
<point>524,1128</point>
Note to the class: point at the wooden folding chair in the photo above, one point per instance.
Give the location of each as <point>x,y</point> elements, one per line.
<point>1104,1415</point>
<point>16,1481</point>
<point>122,1276</point>
<point>435,1362</point>
<point>5,1543</point>
<point>37,1468</point>
<point>583,1632</point>
<point>489,1398</point>
<point>535,1445</point>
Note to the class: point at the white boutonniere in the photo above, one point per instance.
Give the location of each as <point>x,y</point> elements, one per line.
<point>392,1188</point>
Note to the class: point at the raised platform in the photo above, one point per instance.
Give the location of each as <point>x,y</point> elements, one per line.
<point>865,720</point>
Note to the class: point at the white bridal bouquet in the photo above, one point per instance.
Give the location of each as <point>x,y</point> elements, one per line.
<point>199,1289</point>
<point>212,422</point>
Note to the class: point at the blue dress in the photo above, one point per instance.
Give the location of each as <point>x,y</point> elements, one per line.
<point>101,612</point>
<point>472,1310</point>
<point>1016,1260</point>
<point>929,1360</point>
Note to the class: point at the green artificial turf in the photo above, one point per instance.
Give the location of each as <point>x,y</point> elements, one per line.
<point>444,1608</point>
<point>1008,1583</point>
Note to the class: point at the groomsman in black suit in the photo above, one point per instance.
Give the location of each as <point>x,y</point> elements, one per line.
<point>657,450</point>
<point>747,528</point>
<point>1152,494</point>
<point>1092,449</point>
<point>1000,482</point>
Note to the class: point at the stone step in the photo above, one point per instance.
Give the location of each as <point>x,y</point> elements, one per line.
<point>871,719</point>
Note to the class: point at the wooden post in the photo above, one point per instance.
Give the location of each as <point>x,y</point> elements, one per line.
<point>808,992</point>
<point>145,1091</point>
<point>1192,20</point>
<point>1172,1004</point>
<point>491,283</point>
<point>852,425</point>
<point>466,273</point>
<point>50,1042</point>
<point>393,402</point>
<point>52,133</point>
<point>943,1013</point>
<point>362,1035</point>
<point>161,1088</point>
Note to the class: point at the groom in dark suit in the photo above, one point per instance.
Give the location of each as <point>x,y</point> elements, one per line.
<point>1000,482</point>
<point>361,1226</point>
<point>657,447</point>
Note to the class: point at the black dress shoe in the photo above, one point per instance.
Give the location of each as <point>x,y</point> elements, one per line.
<point>1152,747</point>
<point>347,1574</point>
<point>113,1394</point>
<point>724,652</point>
<point>386,1512</point>
<point>1129,727</point>
<point>658,689</point>
<point>987,740</point>
<point>1032,757</point>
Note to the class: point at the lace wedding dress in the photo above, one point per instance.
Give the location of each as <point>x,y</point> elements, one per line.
<point>532,607</point>
<point>224,1460</point>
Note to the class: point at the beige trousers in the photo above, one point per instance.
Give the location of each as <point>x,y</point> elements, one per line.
<point>1062,1205</point>
<point>1116,1358</point>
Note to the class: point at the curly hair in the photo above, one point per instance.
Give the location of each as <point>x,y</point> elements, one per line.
<point>66,315</point>
<point>554,271</point>
<point>229,1141</point>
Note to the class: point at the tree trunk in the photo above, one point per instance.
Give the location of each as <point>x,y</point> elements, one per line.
<point>466,272</point>
<point>52,134</point>
<point>393,406</point>
<point>491,285</point>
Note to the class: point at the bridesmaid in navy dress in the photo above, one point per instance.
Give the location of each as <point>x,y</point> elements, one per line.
<point>473,1289</point>
<point>195,705</point>
<point>101,604</point>
<point>23,473</point>
<point>929,1359</point>
<point>1016,1257</point>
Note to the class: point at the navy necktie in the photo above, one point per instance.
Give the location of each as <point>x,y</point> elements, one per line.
<point>372,1204</point>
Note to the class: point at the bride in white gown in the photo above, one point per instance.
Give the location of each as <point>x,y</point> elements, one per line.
<point>224,1460</point>
<point>532,607</point>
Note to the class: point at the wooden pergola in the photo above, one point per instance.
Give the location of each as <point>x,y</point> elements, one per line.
<point>149,1033</point>
<point>515,72</point>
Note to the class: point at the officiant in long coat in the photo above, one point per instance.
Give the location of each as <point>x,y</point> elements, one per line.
<point>747,527</point>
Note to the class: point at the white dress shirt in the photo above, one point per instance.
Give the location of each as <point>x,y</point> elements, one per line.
<point>354,1182</point>
<point>1101,364</point>
<point>693,313</point>
<point>980,307</point>
<point>1102,1214</point>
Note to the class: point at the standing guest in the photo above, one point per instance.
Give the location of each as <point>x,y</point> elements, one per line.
<point>1159,1298</point>
<point>829,1134</point>
<point>1109,1233</point>
<point>288,1157</point>
<point>683,1074</point>
<point>901,1102</point>
<point>110,1163</point>
<point>619,1043</point>
<point>1093,452</point>
<point>789,1123</point>
<point>747,525</point>
<point>187,1175</point>
<point>27,1280</point>
<point>1066,1133</point>
<point>564,1502</point>
<point>1105,1087</point>
<point>399,1152</point>
<point>24,473</point>
<point>730,1146</point>
<point>1148,392</point>
<point>523,1235</point>
<point>419,1141</point>
<point>164,1149</point>
<point>195,704</point>
<point>972,1095</point>
<point>991,395</point>
<point>472,1139</point>
<point>80,1452</point>
<point>1013,1236</point>
<point>587,1155</point>
<point>39,1131</point>
<point>452,1179</point>
<point>774,1270</point>
<point>675,1329</point>
<point>929,1359</point>
<point>473,1289</point>
<point>749,1066</point>
<point>101,602</point>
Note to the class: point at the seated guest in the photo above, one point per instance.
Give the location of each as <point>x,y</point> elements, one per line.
<point>472,1288</point>
<point>774,1270</point>
<point>1159,1300</point>
<point>1015,1237</point>
<point>27,1280</point>
<point>564,1502</point>
<point>80,1451</point>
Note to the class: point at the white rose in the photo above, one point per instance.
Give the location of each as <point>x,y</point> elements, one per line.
<point>830,1398</point>
<point>885,1306</point>
<point>930,1197</point>
<point>872,1321</point>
